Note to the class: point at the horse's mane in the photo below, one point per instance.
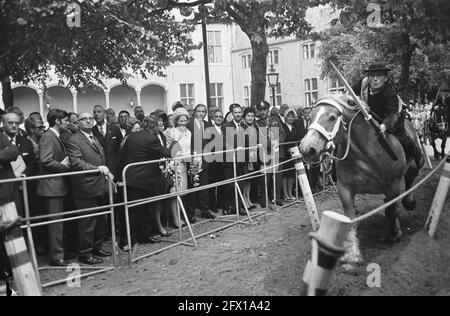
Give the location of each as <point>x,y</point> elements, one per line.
<point>347,103</point>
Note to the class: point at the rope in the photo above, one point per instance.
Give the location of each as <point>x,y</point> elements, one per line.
<point>383,207</point>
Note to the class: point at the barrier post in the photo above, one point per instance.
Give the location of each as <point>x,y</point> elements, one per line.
<point>25,278</point>
<point>439,200</point>
<point>29,231</point>
<point>306,189</point>
<point>127,217</point>
<point>236,184</point>
<point>328,247</point>
<point>424,151</point>
<point>113,222</point>
<point>266,189</point>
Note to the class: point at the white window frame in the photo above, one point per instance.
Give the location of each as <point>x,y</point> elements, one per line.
<point>217,99</point>
<point>278,95</point>
<point>188,99</point>
<point>274,57</point>
<point>311,93</point>
<point>336,85</point>
<point>247,96</point>
<point>215,47</point>
<point>309,51</point>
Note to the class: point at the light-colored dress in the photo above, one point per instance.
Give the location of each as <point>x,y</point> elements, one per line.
<point>183,136</point>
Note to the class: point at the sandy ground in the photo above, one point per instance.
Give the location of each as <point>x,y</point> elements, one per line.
<point>269,257</point>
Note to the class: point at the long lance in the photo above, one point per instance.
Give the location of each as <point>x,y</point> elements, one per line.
<point>369,118</point>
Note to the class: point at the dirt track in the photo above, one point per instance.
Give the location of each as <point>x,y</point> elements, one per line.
<point>269,257</point>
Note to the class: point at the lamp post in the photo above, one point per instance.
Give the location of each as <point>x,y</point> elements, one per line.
<point>273,78</point>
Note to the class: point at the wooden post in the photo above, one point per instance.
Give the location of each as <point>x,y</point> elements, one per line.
<point>328,247</point>
<point>25,279</point>
<point>306,189</point>
<point>439,200</point>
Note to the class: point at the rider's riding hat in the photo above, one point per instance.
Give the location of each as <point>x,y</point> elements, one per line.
<point>377,67</point>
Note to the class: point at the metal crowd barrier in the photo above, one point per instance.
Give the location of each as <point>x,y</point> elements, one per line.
<point>109,209</point>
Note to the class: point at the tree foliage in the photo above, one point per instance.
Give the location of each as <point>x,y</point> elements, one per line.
<point>114,36</point>
<point>412,38</point>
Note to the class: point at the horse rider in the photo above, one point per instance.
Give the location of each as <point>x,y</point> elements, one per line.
<point>381,97</point>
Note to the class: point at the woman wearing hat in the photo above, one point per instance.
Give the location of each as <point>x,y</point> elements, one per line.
<point>180,134</point>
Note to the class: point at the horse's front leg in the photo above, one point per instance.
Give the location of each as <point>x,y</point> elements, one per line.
<point>394,232</point>
<point>444,143</point>
<point>353,255</point>
<point>433,144</point>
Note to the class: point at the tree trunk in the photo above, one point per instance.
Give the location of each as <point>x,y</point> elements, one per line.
<point>260,51</point>
<point>406,57</point>
<point>8,96</point>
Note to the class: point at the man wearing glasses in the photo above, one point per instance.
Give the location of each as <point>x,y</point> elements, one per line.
<point>89,190</point>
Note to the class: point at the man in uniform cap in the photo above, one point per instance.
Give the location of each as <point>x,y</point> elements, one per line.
<point>382,99</point>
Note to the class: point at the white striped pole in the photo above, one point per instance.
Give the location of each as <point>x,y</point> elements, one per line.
<point>424,151</point>
<point>439,200</point>
<point>306,189</point>
<point>328,247</point>
<point>25,279</point>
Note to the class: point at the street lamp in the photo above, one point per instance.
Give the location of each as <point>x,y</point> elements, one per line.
<point>273,78</point>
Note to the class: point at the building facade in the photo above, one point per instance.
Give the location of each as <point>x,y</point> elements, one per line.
<point>296,61</point>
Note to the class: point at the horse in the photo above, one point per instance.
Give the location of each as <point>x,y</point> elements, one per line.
<point>438,128</point>
<point>362,165</point>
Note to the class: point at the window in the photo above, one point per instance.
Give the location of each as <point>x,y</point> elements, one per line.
<point>278,95</point>
<point>309,51</point>
<point>274,57</point>
<point>187,93</point>
<point>215,47</point>
<point>247,96</point>
<point>336,85</point>
<point>217,98</point>
<point>247,61</point>
<point>311,92</point>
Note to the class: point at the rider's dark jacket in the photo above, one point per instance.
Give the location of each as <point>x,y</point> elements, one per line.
<point>384,104</point>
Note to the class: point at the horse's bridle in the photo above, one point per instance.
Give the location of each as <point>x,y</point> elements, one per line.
<point>330,136</point>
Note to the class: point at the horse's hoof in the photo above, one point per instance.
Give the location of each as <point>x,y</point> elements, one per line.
<point>409,205</point>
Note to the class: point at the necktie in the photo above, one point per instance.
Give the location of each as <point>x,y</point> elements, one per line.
<point>13,141</point>
<point>91,138</point>
<point>101,130</point>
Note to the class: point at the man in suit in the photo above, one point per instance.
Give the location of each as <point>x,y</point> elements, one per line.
<point>110,138</point>
<point>271,129</point>
<point>216,167</point>
<point>8,193</point>
<point>86,153</point>
<point>53,160</point>
<point>143,181</point>
<point>197,126</point>
<point>139,113</point>
<point>234,138</point>
<point>71,129</point>
<point>11,130</point>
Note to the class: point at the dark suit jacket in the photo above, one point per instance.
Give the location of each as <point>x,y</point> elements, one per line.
<point>83,156</point>
<point>27,152</point>
<point>296,135</point>
<point>199,139</point>
<point>52,152</point>
<point>140,147</point>
<point>111,145</point>
<point>8,153</point>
